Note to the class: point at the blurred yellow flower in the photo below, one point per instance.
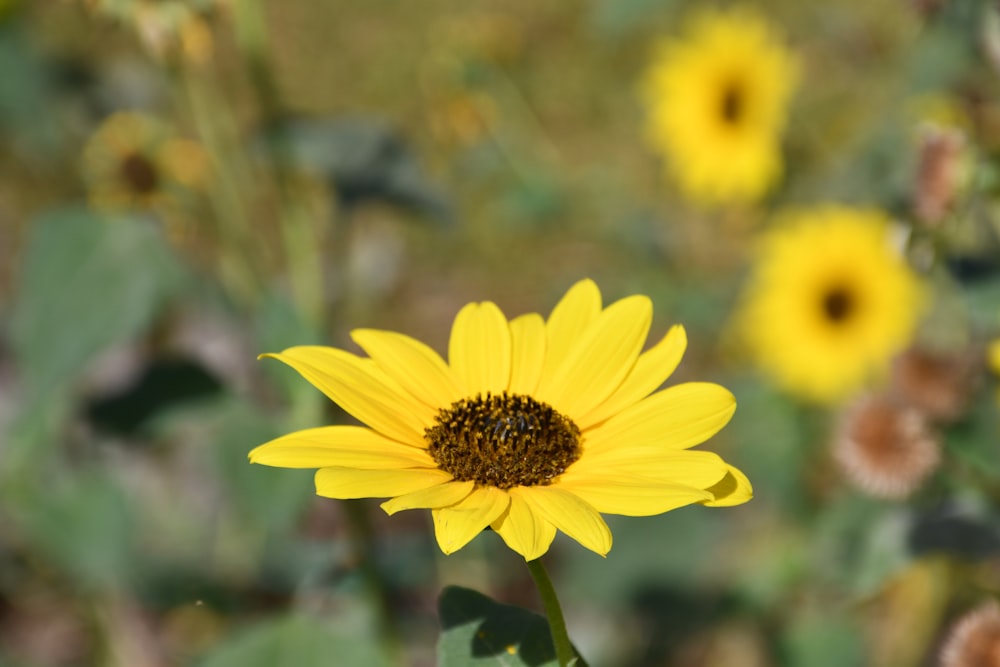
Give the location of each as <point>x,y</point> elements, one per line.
<point>717,104</point>
<point>829,302</point>
<point>532,426</point>
<point>133,162</point>
<point>993,356</point>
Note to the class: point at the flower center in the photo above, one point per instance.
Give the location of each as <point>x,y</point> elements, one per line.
<point>838,304</point>
<point>503,441</point>
<point>139,173</point>
<point>731,106</point>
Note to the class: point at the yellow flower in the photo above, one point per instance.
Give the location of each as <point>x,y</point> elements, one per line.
<point>717,103</point>
<point>993,356</point>
<point>829,302</point>
<point>133,162</point>
<point>532,426</point>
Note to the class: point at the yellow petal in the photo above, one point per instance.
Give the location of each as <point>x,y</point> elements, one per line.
<point>441,495</point>
<point>415,366</point>
<point>456,525</point>
<point>651,369</point>
<point>569,514</point>
<point>573,314</point>
<point>600,358</point>
<point>631,495</point>
<point>340,446</point>
<point>690,468</point>
<point>524,530</point>
<point>527,336</point>
<point>479,349</point>
<point>676,418</point>
<point>346,483</point>
<point>359,387</point>
<point>734,489</point>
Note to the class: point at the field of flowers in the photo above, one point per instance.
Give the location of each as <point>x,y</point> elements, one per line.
<point>626,333</point>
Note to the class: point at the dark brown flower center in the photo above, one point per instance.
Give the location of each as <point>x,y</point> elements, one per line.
<point>503,441</point>
<point>139,173</point>
<point>732,105</point>
<point>839,304</point>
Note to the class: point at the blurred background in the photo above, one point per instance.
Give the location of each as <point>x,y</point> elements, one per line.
<point>187,184</point>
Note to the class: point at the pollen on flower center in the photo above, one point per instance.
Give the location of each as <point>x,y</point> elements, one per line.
<point>503,441</point>
<point>838,304</point>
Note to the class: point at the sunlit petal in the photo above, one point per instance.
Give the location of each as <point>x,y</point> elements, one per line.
<point>572,315</point>
<point>733,489</point>
<point>360,388</point>
<point>415,366</point>
<point>569,514</point>
<point>479,348</point>
<point>441,495</point>
<point>340,446</point>
<point>651,369</point>
<point>677,418</point>
<point>527,334</point>
<point>524,530</point>
<point>600,359</point>
<point>347,483</point>
<point>631,495</point>
<point>456,525</point>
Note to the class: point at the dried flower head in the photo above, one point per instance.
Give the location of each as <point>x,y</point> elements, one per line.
<point>974,640</point>
<point>884,447</point>
<point>939,172</point>
<point>940,384</point>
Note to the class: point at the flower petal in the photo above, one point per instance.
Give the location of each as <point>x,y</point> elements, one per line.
<point>569,514</point>
<point>573,314</point>
<point>600,358</point>
<point>359,387</point>
<point>651,369</point>
<point>690,468</point>
<point>479,349</point>
<point>524,530</point>
<point>438,496</point>
<point>631,495</point>
<point>527,335</point>
<point>340,446</point>
<point>415,366</point>
<point>455,526</point>
<point>676,418</point>
<point>734,489</point>
<point>346,483</point>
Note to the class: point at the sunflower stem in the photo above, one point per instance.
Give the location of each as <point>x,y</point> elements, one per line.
<point>557,624</point>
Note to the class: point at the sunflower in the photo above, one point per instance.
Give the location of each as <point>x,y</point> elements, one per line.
<point>530,427</point>
<point>716,106</point>
<point>829,302</point>
<point>132,161</point>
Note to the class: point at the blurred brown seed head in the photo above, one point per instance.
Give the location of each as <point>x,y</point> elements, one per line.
<point>974,640</point>
<point>939,384</point>
<point>939,173</point>
<point>884,447</point>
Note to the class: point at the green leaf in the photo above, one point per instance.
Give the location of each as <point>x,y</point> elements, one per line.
<point>823,639</point>
<point>86,283</point>
<point>476,630</point>
<point>83,526</point>
<point>302,641</point>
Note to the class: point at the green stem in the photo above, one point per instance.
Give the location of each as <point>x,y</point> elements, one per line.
<point>557,624</point>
